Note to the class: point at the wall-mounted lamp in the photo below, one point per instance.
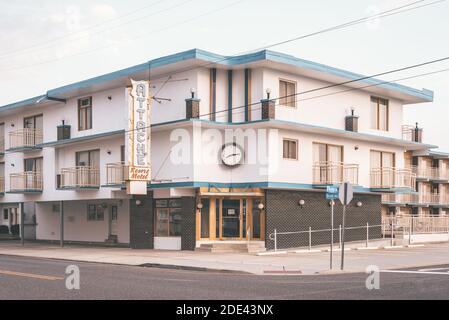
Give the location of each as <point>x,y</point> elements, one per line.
<point>359,204</point>
<point>109,152</point>
<point>138,202</point>
<point>331,203</point>
<point>268,91</point>
<point>199,206</point>
<point>110,98</point>
<point>12,125</point>
<point>260,206</point>
<point>356,147</point>
<point>192,92</point>
<point>13,165</point>
<point>301,203</point>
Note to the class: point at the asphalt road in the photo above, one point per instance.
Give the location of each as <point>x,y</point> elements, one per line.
<point>31,278</point>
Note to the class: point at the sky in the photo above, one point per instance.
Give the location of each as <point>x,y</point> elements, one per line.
<point>47,43</point>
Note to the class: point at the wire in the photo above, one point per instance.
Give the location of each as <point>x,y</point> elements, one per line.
<point>331,86</point>
<point>55,39</point>
<point>128,39</point>
<point>354,22</point>
<point>380,15</point>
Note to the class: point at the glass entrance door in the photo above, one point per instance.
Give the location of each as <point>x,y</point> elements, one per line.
<point>231,218</point>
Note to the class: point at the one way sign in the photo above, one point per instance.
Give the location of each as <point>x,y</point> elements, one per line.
<point>345,193</point>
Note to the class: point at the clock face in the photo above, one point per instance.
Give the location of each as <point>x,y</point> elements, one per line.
<point>231,155</point>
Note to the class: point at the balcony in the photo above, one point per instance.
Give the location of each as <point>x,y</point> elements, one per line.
<point>392,178</point>
<point>81,177</point>
<point>412,133</point>
<point>415,199</point>
<point>430,173</point>
<point>397,198</point>
<point>115,174</point>
<point>25,139</point>
<point>2,185</point>
<point>328,172</point>
<point>26,182</point>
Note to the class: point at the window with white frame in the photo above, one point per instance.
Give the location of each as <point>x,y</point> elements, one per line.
<point>85,114</point>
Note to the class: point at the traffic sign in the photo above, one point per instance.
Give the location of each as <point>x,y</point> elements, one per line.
<point>345,193</point>
<point>332,193</point>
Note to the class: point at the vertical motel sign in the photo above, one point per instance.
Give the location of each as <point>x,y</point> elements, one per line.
<point>138,143</point>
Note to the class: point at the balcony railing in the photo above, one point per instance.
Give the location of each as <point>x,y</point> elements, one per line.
<point>412,133</point>
<point>26,182</point>
<point>115,173</point>
<point>2,184</point>
<point>328,172</point>
<point>427,199</point>
<point>80,177</point>
<point>25,138</point>
<point>431,173</point>
<point>391,178</point>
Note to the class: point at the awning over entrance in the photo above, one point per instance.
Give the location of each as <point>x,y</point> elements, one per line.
<point>231,192</point>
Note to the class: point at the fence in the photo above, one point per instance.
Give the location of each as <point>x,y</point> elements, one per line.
<point>390,229</point>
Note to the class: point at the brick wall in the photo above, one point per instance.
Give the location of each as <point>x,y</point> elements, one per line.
<point>284,214</point>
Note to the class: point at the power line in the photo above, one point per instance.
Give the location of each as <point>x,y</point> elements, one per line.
<point>350,23</point>
<point>333,85</point>
<point>380,15</point>
<point>55,39</point>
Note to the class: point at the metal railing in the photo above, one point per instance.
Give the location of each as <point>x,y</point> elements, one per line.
<point>80,177</point>
<point>414,198</point>
<point>412,133</point>
<point>25,138</point>
<point>26,181</point>
<point>418,225</point>
<point>388,178</point>
<point>274,236</point>
<point>2,184</point>
<point>329,172</point>
<point>430,173</point>
<point>115,173</point>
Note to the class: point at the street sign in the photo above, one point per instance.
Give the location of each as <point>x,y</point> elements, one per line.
<point>345,193</point>
<point>332,193</point>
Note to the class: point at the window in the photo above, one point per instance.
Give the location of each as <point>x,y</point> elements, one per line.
<point>95,212</point>
<point>290,149</point>
<point>85,114</point>
<point>287,92</point>
<point>114,213</point>
<point>379,114</point>
<point>168,218</point>
<point>380,159</point>
<point>5,214</point>
<point>33,165</point>
<point>89,158</point>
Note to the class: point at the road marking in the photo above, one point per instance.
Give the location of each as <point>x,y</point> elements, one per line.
<point>30,275</point>
<point>434,269</point>
<point>414,272</point>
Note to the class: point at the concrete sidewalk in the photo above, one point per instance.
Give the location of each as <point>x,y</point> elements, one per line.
<point>306,263</point>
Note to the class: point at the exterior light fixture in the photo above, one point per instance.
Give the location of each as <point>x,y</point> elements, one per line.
<point>109,152</point>
<point>110,98</point>
<point>302,202</point>
<point>199,206</point>
<point>359,204</point>
<point>138,202</point>
<point>268,91</point>
<point>192,92</point>
<point>331,203</point>
<point>260,206</point>
<point>356,147</point>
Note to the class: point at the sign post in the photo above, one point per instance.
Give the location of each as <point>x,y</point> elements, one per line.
<point>345,196</point>
<point>332,194</point>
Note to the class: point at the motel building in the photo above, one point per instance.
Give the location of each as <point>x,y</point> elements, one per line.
<point>230,162</point>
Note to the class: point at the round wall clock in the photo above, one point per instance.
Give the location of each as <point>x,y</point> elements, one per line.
<point>231,155</point>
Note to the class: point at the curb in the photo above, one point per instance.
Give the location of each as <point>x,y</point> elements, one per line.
<point>273,253</point>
